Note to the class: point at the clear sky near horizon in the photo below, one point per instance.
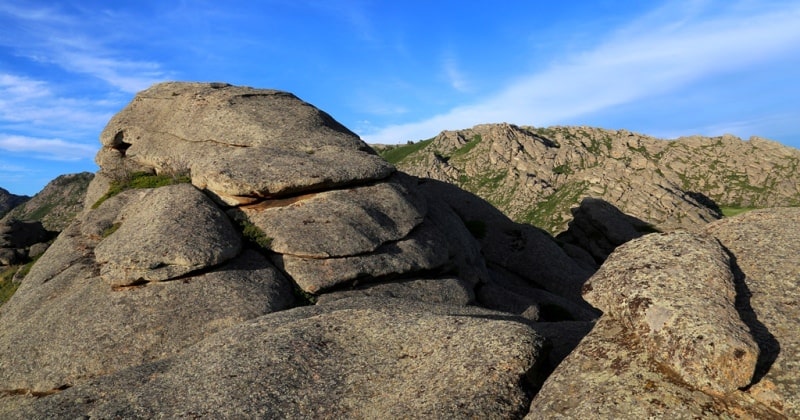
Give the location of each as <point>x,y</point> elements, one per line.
<point>394,71</point>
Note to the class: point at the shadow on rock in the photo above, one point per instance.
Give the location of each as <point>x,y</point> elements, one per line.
<point>598,228</point>
<point>768,345</point>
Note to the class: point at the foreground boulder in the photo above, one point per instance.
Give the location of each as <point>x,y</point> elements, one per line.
<point>352,359</point>
<point>681,335</point>
<point>765,245</point>
<point>163,234</point>
<point>96,325</point>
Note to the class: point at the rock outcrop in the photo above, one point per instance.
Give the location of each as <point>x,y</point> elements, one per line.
<point>764,245</point>
<point>248,203</point>
<point>241,254</point>
<point>536,175</point>
<point>599,228</point>
<point>239,144</point>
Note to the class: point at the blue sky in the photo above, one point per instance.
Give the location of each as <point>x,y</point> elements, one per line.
<point>396,71</point>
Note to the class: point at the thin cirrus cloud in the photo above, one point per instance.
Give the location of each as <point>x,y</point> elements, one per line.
<point>46,35</point>
<point>31,106</point>
<point>453,73</point>
<point>49,149</point>
<point>663,51</point>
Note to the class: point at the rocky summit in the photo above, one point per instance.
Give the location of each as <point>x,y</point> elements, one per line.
<point>537,175</point>
<point>241,254</point>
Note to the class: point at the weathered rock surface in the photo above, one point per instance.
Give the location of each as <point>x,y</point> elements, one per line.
<point>765,245</point>
<point>444,290</point>
<point>522,250</point>
<point>348,359</point>
<point>396,265</point>
<point>610,376</point>
<point>676,339</point>
<point>239,143</point>
<point>676,291</point>
<point>166,233</point>
<point>536,175</point>
<point>57,204</point>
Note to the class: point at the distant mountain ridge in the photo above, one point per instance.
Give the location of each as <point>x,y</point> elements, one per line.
<point>56,204</point>
<point>536,175</point>
<point>8,201</point>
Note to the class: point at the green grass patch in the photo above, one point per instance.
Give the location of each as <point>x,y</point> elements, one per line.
<point>563,169</point>
<point>397,154</point>
<point>733,211</point>
<point>7,287</point>
<point>490,180</point>
<point>41,212</point>
<point>254,234</point>
<point>142,180</point>
<point>110,230</point>
<point>303,298</point>
<point>463,150</point>
<point>546,214</point>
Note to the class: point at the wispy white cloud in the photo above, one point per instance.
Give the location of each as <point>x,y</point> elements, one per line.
<point>671,47</point>
<point>9,168</point>
<point>453,73</point>
<point>48,35</point>
<point>32,106</point>
<point>50,149</point>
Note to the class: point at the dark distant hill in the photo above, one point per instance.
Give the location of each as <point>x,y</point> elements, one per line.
<point>536,175</point>
<point>8,201</point>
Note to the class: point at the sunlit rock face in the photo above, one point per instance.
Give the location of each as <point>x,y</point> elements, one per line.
<point>242,252</point>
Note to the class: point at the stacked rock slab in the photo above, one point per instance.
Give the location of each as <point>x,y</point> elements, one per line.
<point>189,288</point>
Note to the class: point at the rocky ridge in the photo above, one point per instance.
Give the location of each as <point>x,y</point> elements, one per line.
<point>248,276</point>
<point>536,175</point>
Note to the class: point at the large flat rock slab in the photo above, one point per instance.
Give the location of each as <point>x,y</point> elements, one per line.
<point>674,341</point>
<point>423,251</point>
<point>609,375</point>
<point>338,223</point>
<point>362,358</point>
